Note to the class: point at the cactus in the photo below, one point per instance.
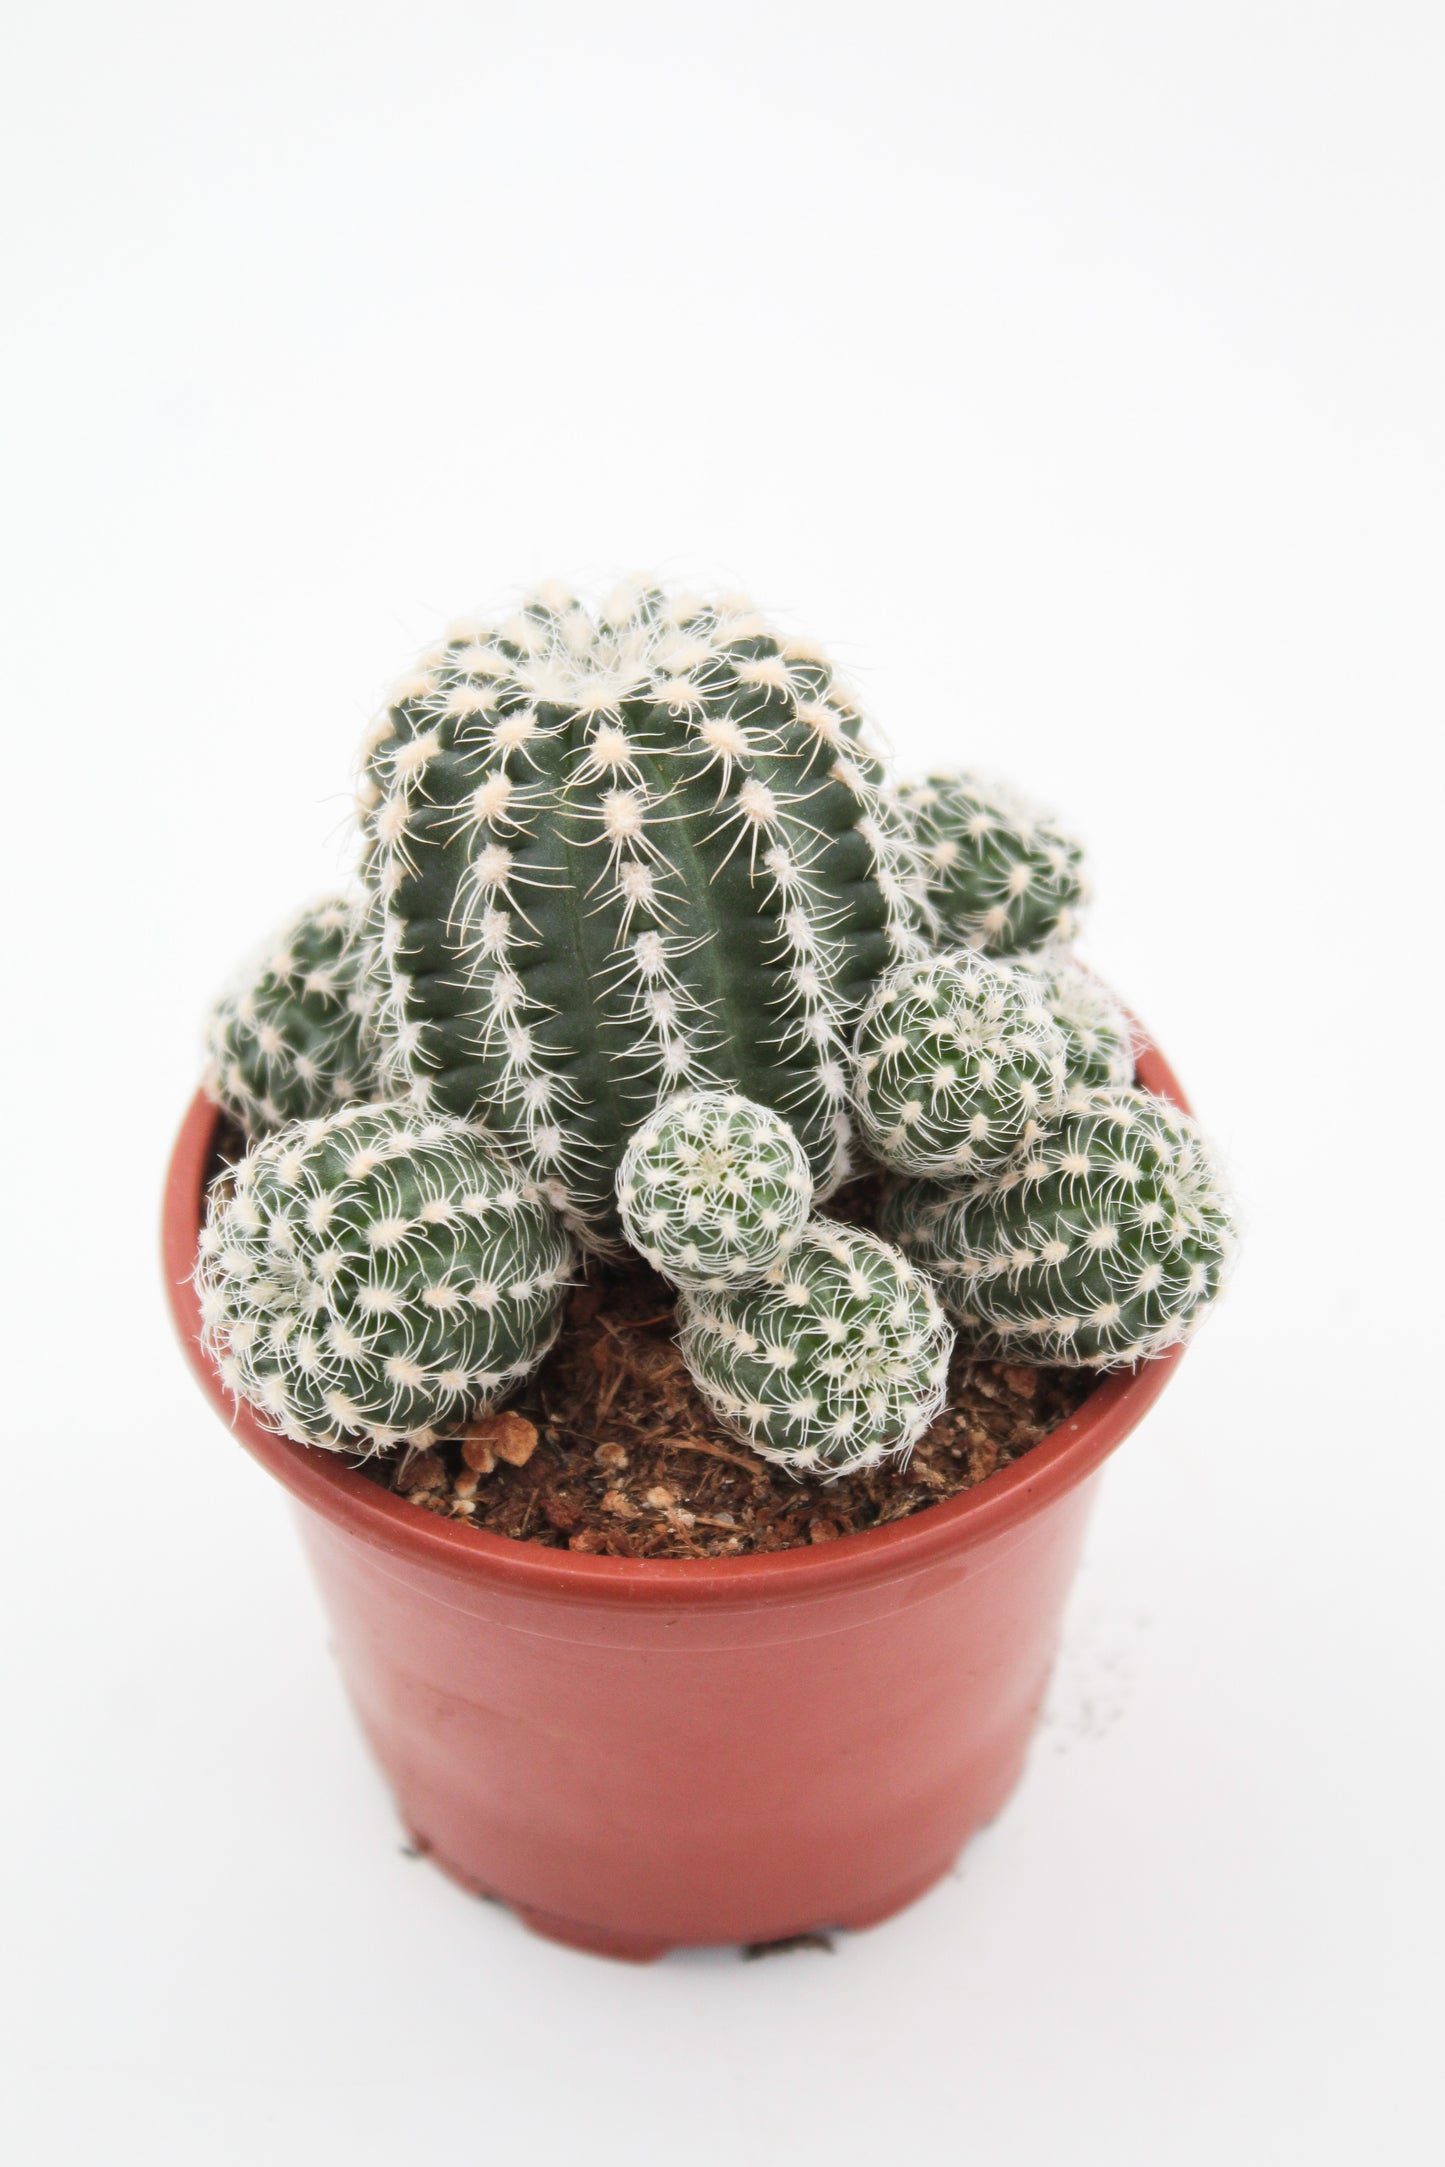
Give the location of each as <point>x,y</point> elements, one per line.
<point>713,1189</point>
<point>1101,1040</point>
<point>376,1278</point>
<point>290,1040</point>
<point>956,1062</point>
<point>836,1361</point>
<point>618,858</point>
<point>1104,1245</point>
<point>1001,876</point>
<point>644,935</point>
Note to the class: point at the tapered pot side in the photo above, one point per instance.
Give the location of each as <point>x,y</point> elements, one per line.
<point>641,1754</point>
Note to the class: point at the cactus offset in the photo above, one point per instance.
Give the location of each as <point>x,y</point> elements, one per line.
<point>713,1189</point>
<point>377,1278</point>
<point>290,1040</point>
<point>956,1061</point>
<point>1001,875</point>
<point>836,1361</point>
<point>620,858</point>
<point>1104,1245</point>
<point>1101,1040</point>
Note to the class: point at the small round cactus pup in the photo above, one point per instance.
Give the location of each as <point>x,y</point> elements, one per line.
<point>290,1040</point>
<point>1001,875</point>
<point>714,1189</point>
<point>838,1360</point>
<point>377,1278</point>
<point>956,1062</point>
<point>1101,1038</point>
<point>1105,1245</point>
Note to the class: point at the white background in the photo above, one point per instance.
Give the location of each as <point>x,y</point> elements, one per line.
<point>1076,371</point>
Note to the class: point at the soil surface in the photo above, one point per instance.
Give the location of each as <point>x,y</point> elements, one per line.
<point>610,1449</point>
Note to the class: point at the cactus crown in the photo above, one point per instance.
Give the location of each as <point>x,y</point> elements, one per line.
<point>713,1189</point>
<point>1103,1245</point>
<point>290,1039</point>
<point>1001,875</point>
<point>620,857</point>
<point>376,1278</point>
<point>837,1360</point>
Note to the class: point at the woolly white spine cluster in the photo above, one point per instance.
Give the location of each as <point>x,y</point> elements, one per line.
<point>713,1189</point>
<point>1002,876</point>
<point>836,1361</point>
<point>376,1278</point>
<point>623,857</point>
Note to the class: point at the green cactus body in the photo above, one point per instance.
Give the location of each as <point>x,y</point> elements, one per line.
<point>1001,876</point>
<point>713,1189</point>
<point>1101,1041</point>
<point>1105,1245</point>
<point>623,858</point>
<point>291,1040</point>
<point>956,1062</point>
<point>377,1278</point>
<point>836,1361</point>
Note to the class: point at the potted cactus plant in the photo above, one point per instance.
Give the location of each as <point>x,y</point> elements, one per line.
<point>653,980</point>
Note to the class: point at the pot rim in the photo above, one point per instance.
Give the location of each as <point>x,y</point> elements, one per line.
<point>351,1501</point>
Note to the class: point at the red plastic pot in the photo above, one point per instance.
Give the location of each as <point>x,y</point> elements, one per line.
<point>639,1754</point>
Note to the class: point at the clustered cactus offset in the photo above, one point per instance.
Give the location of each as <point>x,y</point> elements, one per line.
<point>713,1189</point>
<point>1001,875</point>
<point>290,1040</point>
<point>836,1360</point>
<point>957,1061</point>
<point>376,1278</point>
<point>1099,1039</point>
<point>646,943</point>
<point>1102,1243</point>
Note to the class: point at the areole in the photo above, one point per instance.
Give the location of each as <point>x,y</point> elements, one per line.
<point>637,1754</point>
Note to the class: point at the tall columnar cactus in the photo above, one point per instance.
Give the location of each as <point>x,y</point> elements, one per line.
<point>1001,875</point>
<point>713,1189</point>
<point>623,857</point>
<point>291,1038</point>
<point>1105,1245</point>
<point>956,1062</point>
<point>377,1278</point>
<point>836,1361</point>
